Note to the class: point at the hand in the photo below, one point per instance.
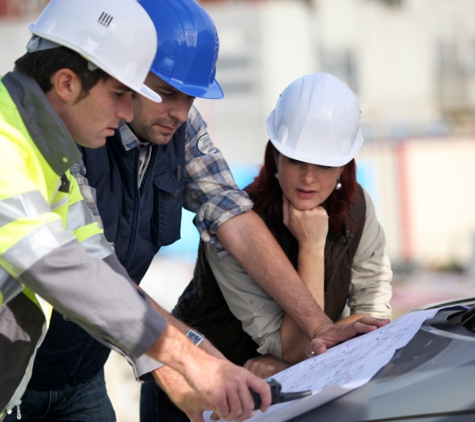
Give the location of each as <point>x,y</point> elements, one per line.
<point>329,335</point>
<point>266,365</point>
<point>309,227</point>
<point>231,399</point>
<point>223,385</point>
<point>180,392</point>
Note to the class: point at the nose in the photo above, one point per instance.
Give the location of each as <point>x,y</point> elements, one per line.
<point>181,106</point>
<point>125,111</point>
<point>309,173</point>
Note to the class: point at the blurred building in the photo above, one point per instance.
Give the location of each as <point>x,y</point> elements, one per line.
<point>411,64</point>
<point>20,8</point>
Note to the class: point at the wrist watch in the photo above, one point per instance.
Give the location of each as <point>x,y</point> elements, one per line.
<point>195,337</point>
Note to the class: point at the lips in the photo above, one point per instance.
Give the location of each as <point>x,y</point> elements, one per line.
<point>306,194</point>
<point>169,129</point>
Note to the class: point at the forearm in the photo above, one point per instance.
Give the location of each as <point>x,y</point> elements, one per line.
<point>166,377</point>
<point>177,389</point>
<point>214,384</point>
<point>223,385</point>
<point>173,349</point>
<point>295,346</point>
<point>247,238</point>
<point>182,327</point>
<point>311,269</point>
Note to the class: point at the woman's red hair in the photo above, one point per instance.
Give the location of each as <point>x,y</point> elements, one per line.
<point>266,193</point>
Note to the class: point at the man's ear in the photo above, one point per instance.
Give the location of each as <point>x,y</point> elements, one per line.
<point>66,84</point>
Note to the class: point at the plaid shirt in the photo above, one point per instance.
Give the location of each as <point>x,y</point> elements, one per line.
<point>210,190</point>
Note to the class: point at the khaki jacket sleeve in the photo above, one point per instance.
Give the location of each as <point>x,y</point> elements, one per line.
<point>261,316</point>
<point>371,274</point>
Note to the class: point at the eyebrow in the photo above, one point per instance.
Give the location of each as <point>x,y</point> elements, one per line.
<point>168,88</point>
<point>165,88</point>
<point>122,87</point>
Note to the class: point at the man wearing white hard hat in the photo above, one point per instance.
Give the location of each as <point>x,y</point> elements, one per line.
<point>74,86</point>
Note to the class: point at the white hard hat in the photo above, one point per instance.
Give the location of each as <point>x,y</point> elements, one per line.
<point>117,36</point>
<point>317,120</point>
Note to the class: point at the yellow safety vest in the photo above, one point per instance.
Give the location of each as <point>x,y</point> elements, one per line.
<point>41,209</point>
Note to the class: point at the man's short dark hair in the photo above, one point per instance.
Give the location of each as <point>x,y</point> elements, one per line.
<point>42,65</point>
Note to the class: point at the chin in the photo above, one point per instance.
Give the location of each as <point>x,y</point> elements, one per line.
<point>94,144</point>
<point>162,140</point>
<point>305,206</point>
<point>99,143</point>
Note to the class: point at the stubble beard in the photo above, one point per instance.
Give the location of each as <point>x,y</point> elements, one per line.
<point>151,132</point>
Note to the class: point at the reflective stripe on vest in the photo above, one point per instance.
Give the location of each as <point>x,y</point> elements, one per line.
<point>32,246</point>
<point>84,225</point>
<point>29,204</point>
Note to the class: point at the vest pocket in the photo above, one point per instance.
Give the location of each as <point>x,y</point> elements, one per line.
<point>168,199</point>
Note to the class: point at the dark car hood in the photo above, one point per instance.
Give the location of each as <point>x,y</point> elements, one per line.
<point>430,379</point>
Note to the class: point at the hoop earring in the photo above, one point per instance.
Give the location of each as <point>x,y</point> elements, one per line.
<point>276,175</point>
<point>338,185</point>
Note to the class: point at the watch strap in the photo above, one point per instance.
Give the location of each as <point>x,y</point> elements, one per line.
<point>195,337</point>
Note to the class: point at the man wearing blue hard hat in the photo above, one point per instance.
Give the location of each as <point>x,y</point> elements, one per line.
<point>152,167</point>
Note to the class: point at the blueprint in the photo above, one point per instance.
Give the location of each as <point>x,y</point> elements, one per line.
<point>342,368</point>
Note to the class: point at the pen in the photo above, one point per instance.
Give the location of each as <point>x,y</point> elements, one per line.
<point>277,395</point>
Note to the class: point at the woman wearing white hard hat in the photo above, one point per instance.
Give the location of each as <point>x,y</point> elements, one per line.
<point>308,195</point>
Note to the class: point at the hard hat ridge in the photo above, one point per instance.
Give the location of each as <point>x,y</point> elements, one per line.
<point>316,120</point>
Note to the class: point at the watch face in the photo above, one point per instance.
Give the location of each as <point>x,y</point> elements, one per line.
<point>194,337</point>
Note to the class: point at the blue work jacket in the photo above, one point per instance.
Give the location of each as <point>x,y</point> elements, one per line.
<point>138,221</point>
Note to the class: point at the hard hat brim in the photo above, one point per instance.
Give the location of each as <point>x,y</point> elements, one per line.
<point>311,157</point>
<point>150,94</point>
<point>214,92</point>
<point>211,92</point>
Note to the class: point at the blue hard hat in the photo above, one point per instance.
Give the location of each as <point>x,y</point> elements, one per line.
<point>188,46</point>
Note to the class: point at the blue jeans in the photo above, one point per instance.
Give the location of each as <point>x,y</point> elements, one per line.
<point>155,406</point>
<point>86,402</point>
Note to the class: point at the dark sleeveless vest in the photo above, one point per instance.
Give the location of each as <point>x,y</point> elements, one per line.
<point>138,222</point>
<point>203,306</point>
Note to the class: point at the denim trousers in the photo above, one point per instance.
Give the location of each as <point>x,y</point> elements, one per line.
<point>155,406</point>
<point>86,402</point>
